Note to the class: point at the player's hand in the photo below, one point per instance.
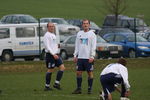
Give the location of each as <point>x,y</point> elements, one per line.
<point>75,59</point>
<point>91,60</point>
<point>55,57</point>
<point>127,93</point>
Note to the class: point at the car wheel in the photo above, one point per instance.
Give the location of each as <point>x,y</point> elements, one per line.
<point>7,56</point>
<point>131,54</point>
<point>63,55</point>
<point>29,58</point>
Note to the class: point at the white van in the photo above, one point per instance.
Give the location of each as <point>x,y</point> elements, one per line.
<point>23,41</point>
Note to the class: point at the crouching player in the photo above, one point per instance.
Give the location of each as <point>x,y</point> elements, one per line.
<point>112,74</point>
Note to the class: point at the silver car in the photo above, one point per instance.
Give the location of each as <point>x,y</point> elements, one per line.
<point>63,25</point>
<point>17,19</point>
<point>103,50</point>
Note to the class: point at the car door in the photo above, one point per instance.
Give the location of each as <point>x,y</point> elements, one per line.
<point>5,40</point>
<point>121,40</point>
<point>70,45</point>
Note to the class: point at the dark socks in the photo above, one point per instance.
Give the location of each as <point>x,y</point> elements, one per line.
<point>59,76</point>
<point>48,79</point>
<point>79,81</point>
<point>90,82</point>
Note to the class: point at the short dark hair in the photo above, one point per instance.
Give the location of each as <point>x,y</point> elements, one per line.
<point>85,20</point>
<point>49,23</point>
<point>122,61</point>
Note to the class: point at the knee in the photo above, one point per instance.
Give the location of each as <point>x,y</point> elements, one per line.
<point>79,73</point>
<point>62,68</point>
<point>90,74</point>
<point>50,70</point>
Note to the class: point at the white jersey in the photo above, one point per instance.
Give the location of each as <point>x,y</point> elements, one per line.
<point>117,68</point>
<point>85,46</point>
<point>50,43</point>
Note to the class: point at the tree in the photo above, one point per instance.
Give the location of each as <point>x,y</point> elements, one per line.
<point>115,7</point>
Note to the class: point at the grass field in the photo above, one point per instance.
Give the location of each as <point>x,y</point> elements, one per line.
<point>91,9</point>
<point>25,81</point>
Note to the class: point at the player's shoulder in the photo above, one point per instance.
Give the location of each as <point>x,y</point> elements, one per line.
<point>45,35</point>
<point>80,32</point>
<point>92,34</point>
<point>121,66</point>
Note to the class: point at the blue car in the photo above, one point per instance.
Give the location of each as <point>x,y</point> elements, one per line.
<point>140,48</point>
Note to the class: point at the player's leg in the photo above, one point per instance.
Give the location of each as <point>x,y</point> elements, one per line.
<point>124,93</point>
<point>90,81</point>
<point>105,96</point>
<point>119,80</point>
<point>89,69</point>
<point>50,68</point>
<point>109,97</point>
<point>107,82</point>
<point>79,69</point>
<point>48,79</point>
<point>59,63</point>
<point>79,83</point>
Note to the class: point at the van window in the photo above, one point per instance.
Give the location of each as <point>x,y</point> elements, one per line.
<point>25,32</point>
<point>4,33</point>
<point>109,21</point>
<point>43,30</point>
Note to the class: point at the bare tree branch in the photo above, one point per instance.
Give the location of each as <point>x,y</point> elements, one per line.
<point>115,7</point>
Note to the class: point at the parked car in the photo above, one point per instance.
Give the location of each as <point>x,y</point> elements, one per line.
<point>63,25</point>
<point>140,48</point>
<point>78,22</point>
<point>114,30</point>
<point>125,22</point>
<point>103,50</point>
<point>17,19</point>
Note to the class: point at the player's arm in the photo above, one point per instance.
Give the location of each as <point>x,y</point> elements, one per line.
<point>93,48</point>
<point>124,74</point>
<point>117,88</point>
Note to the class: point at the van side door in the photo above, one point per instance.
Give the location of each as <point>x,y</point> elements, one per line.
<point>25,42</point>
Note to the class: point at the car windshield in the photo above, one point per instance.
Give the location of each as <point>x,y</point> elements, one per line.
<point>93,25</point>
<point>59,21</point>
<point>27,19</point>
<point>139,38</point>
<point>63,37</point>
<point>100,39</point>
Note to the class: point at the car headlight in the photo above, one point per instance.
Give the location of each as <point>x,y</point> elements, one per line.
<point>142,47</point>
<point>102,48</point>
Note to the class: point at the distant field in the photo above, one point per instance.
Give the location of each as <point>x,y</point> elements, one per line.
<point>25,81</point>
<point>91,9</point>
